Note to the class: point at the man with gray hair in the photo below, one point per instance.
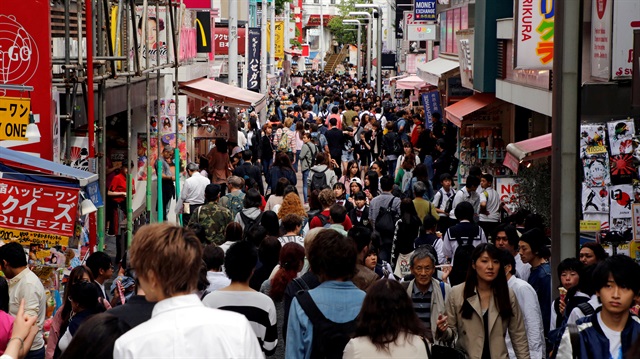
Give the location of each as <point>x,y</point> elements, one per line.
<point>192,195</point>
<point>234,200</point>
<point>427,293</point>
<point>423,206</point>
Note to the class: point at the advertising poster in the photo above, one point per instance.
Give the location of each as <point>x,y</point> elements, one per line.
<point>621,136</point>
<point>506,188</point>
<point>621,199</point>
<point>596,171</point>
<point>534,34</point>
<point>626,18</point>
<point>431,103</point>
<point>601,38</point>
<point>79,153</point>
<point>158,38</point>
<point>595,199</point>
<point>592,139</point>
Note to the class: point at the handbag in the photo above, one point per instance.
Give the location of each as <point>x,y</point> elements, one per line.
<point>442,351</point>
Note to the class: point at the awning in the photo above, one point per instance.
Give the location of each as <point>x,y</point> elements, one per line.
<point>314,20</point>
<point>293,52</point>
<point>456,112</point>
<point>31,163</point>
<point>527,150</point>
<point>227,95</point>
<point>410,83</point>
<point>432,71</point>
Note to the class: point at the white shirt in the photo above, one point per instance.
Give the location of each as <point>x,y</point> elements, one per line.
<point>242,140</point>
<point>528,301</point>
<point>449,245</point>
<point>27,286</point>
<point>217,280</point>
<point>522,269</point>
<point>490,197</point>
<point>441,198</point>
<point>462,196</point>
<point>193,190</point>
<point>577,313</point>
<point>615,339</point>
<point>182,327</point>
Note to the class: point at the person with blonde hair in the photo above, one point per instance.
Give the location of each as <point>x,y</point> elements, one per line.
<point>291,204</point>
<point>167,260</point>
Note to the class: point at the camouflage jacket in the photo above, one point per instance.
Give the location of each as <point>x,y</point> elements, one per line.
<point>214,218</point>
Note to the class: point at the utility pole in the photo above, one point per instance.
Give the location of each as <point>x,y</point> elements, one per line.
<point>369,39</point>
<point>358,61</point>
<point>233,42</point>
<point>263,59</point>
<point>321,36</point>
<point>272,50</point>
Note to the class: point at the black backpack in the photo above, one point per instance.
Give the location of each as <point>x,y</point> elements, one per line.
<point>311,162</point>
<point>318,180</point>
<point>329,338</point>
<point>249,223</point>
<point>462,255</point>
<point>324,220</point>
<point>386,222</point>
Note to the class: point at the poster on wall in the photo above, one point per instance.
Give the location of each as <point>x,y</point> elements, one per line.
<point>506,188</point>
<point>636,221</point>
<point>621,199</point>
<point>79,153</point>
<point>601,38</point>
<point>626,18</point>
<point>595,199</point>
<point>152,156</point>
<point>621,136</point>
<point>158,44</point>
<point>596,171</point>
<point>603,218</point>
<point>592,139</point>
<point>533,36</point>
<point>623,170</point>
<point>431,103</point>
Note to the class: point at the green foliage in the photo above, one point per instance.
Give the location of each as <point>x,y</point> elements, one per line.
<point>339,30</point>
<point>534,188</point>
<point>280,4</point>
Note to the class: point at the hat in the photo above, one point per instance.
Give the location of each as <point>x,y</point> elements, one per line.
<point>356,180</point>
<point>236,150</point>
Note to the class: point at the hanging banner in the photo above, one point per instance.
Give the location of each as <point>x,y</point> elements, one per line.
<point>534,34</point>
<point>601,38</point>
<point>25,59</point>
<point>626,17</point>
<point>431,103</point>
<point>38,207</point>
<point>14,118</point>
<point>279,38</point>
<point>26,238</point>
<point>253,74</point>
<point>425,10</point>
<point>157,43</point>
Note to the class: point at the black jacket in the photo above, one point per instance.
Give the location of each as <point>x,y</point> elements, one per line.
<point>249,170</point>
<point>364,219</point>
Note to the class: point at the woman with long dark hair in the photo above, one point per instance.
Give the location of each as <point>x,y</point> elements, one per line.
<point>298,136</point>
<point>85,303</point>
<point>282,169</point>
<point>387,326</point>
<point>352,171</point>
<point>265,155</point>
<point>407,230</point>
<point>480,310</point>
<point>371,185</point>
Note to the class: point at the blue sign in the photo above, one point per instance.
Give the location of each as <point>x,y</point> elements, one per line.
<point>253,72</point>
<point>431,102</point>
<point>425,10</point>
<point>93,193</point>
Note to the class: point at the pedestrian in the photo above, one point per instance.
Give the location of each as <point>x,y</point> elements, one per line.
<point>569,271</point>
<point>371,185</point>
<point>406,231</point>
<point>85,303</point>
<point>192,194</point>
<point>292,225</point>
<point>211,216</point>
<point>213,258</point>
<point>320,175</point>
<point>248,171</point>
<point>282,169</point>
<point>335,142</point>
<point>506,237</point>
<point>445,162</point>
<point>364,276</point>
<point>592,253</point>
<point>167,260</point>
<point>387,205</point>
<point>308,154</point>
<point>482,309</point>
<point>348,149</point>
<point>386,326</point>
<point>342,198</point>
<point>167,178</point>
<point>234,200</point>
<point>391,146</point>
<point>469,194</point>
<point>219,164</point>
<point>268,254</point>
<point>423,207</point>
<point>327,198</point>
<point>284,140</point>
<point>534,251</point>
<point>299,142</point>
<point>489,213</point>
<point>240,261</point>
<point>352,170</point>
<point>101,267</point>
<point>103,328</point>
<point>443,200</point>
<point>407,162</point>
<point>266,152</point>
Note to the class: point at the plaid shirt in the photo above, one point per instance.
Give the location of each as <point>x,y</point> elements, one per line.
<point>278,136</point>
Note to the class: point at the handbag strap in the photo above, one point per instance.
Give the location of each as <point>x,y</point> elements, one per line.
<point>426,346</point>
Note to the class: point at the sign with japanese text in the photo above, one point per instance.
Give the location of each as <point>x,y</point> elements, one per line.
<point>534,34</point>
<point>14,118</point>
<point>253,73</point>
<point>221,41</point>
<point>158,37</point>
<point>432,104</point>
<point>421,32</point>
<point>25,59</point>
<point>465,56</point>
<point>626,17</point>
<point>38,207</point>
<point>27,237</point>
<point>279,38</point>
<point>601,38</point>
<point>425,10</point>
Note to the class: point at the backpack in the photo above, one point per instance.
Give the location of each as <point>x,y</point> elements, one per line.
<point>316,141</point>
<point>235,204</point>
<point>283,144</point>
<point>329,338</point>
<point>318,180</point>
<point>574,337</point>
<point>406,181</point>
<point>311,162</point>
<point>586,308</point>
<point>249,223</point>
<point>386,222</point>
<point>462,255</point>
<point>395,147</point>
<point>324,220</point>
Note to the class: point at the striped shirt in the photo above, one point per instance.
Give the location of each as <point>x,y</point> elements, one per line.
<point>257,307</point>
<point>288,239</point>
<point>422,306</point>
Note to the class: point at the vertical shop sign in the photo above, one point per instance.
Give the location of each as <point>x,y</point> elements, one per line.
<point>25,59</point>
<point>534,34</point>
<point>253,74</point>
<point>221,40</point>
<point>626,18</point>
<point>279,38</point>
<point>601,38</point>
<point>203,31</point>
<point>425,10</point>
<point>431,103</point>
<point>465,56</point>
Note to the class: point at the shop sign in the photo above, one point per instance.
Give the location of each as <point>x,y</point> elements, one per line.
<point>425,10</point>
<point>507,189</point>
<point>253,73</point>
<point>26,238</point>
<point>93,193</point>
<point>218,129</point>
<point>25,59</point>
<point>279,38</point>
<point>534,34</point>
<point>203,31</point>
<point>432,104</point>
<point>38,207</point>
<point>626,18</point>
<point>14,118</point>
<point>421,32</point>
<point>221,41</point>
<point>465,56</point>
<point>601,38</point>
<point>589,226</point>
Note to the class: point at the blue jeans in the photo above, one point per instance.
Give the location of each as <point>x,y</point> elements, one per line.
<point>428,161</point>
<point>297,162</point>
<point>266,163</point>
<point>305,175</point>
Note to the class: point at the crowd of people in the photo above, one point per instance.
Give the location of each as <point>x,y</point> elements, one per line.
<point>380,256</point>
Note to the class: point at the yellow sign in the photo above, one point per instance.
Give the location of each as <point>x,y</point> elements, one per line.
<point>589,226</point>
<point>279,38</point>
<point>14,118</point>
<point>26,237</point>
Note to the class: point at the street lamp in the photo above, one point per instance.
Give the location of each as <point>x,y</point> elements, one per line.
<point>369,39</point>
<point>358,23</point>
<point>378,8</point>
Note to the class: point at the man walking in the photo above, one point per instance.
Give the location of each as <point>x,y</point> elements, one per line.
<point>213,217</point>
<point>192,195</point>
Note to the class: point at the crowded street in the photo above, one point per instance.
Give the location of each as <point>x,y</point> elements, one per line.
<point>299,179</point>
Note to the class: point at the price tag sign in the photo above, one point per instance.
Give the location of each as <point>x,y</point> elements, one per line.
<point>14,118</point>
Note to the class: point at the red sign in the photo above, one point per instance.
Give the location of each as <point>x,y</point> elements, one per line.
<point>38,207</point>
<point>197,4</point>
<point>305,50</point>
<point>221,41</point>
<point>25,59</point>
